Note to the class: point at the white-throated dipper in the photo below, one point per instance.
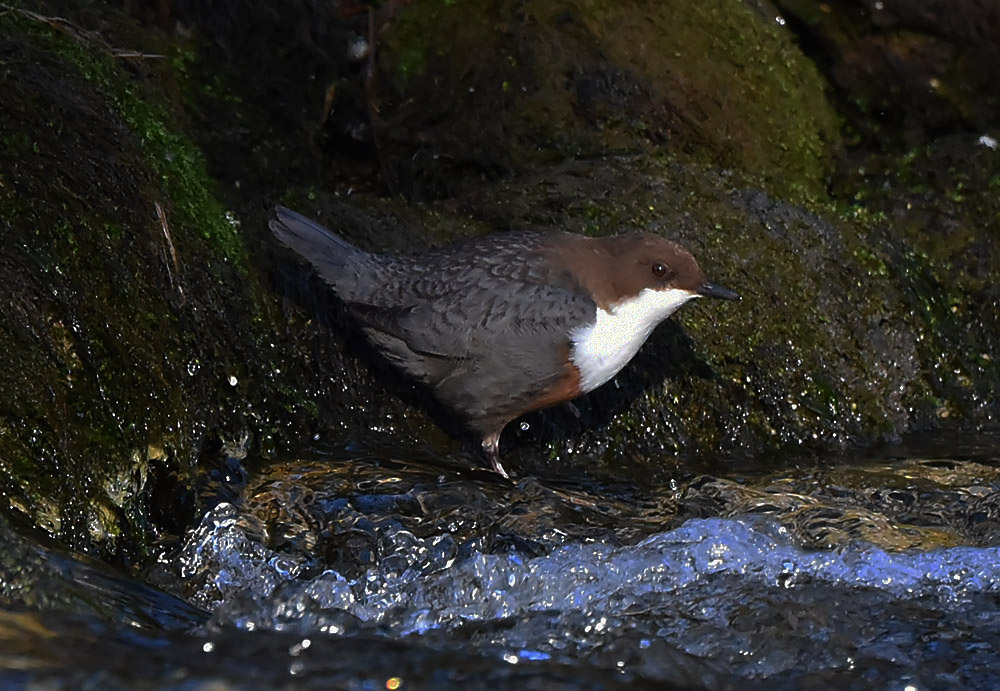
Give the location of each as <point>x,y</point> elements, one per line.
<point>506,324</point>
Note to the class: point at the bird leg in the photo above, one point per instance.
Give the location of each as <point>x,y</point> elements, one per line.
<point>491,449</point>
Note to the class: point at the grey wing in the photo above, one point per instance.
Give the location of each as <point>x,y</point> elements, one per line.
<point>516,320</point>
<point>455,303</point>
<point>487,355</point>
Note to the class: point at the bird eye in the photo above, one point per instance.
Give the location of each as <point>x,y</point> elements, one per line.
<point>659,270</point>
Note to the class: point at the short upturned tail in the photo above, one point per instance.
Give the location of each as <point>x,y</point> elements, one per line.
<point>329,254</point>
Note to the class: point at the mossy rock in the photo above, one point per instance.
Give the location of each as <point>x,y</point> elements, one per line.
<point>139,340</point>
<point>847,332</point>
<point>475,90</point>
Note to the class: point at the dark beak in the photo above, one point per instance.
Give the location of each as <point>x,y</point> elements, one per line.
<point>710,290</point>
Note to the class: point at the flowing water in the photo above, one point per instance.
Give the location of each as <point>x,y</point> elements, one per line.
<point>339,569</point>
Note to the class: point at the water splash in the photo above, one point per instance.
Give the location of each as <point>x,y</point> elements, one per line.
<point>716,588</point>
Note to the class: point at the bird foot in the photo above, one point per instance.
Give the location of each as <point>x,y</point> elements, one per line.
<point>491,449</point>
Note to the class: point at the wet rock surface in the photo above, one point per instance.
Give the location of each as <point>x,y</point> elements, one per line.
<point>705,521</point>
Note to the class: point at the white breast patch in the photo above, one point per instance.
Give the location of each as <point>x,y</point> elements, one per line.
<point>602,348</point>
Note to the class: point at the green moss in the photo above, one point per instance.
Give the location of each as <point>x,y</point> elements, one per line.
<point>182,170</point>
<point>94,347</point>
<point>766,107</point>
<point>187,69</point>
<point>709,79</point>
<point>176,160</point>
<point>874,263</point>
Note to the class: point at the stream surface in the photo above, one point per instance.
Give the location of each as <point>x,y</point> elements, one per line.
<point>345,569</point>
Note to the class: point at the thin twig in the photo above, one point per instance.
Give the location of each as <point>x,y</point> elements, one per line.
<point>170,245</point>
<point>82,35</point>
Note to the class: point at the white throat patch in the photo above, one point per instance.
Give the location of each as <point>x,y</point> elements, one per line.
<point>601,349</point>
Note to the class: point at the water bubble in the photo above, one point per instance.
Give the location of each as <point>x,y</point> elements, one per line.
<point>357,48</point>
<point>988,141</point>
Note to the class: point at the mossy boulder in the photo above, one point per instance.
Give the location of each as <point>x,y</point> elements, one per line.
<point>468,91</point>
<point>139,339</point>
<point>152,326</point>
<point>848,332</point>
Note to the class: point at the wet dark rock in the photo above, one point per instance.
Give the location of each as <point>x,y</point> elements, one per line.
<point>139,338</point>
<point>906,70</point>
<point>153,327</point>
<point>42,576</point>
